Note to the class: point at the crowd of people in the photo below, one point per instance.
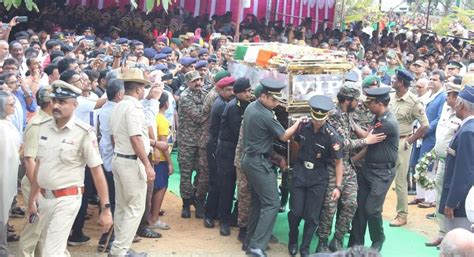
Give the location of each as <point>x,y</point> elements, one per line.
<point>93,116</point>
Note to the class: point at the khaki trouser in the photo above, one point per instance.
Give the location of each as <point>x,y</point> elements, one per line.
<point>31,234</point>
<point>439,180</point>
<point>401,184</point>
<point>58,215</point>
<point>130,197</point>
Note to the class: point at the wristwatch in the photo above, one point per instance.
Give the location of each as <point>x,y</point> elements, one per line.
<point>339,188</point>
<point>107,206</point>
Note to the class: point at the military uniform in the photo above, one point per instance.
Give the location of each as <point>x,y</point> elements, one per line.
<point>62,155</point>
<point>130,178</point>
<point>347,204</point>
<point>31,234</point>
<point>243,187</point>
<point>257,145</point>
<point>375,179</point>
<point>309,185</point>
<point>191,118</point>
<point>406,109</point>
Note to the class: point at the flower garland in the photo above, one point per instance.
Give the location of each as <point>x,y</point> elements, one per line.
<point>421,170</point>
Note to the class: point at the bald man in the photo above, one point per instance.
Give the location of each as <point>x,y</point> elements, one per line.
<point>458,242</point>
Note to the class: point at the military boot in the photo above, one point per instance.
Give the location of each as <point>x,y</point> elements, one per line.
<point>335,244</point>
<point>186,212</point>
<point>242,234</point>
<point>199,206</point>
<point>323,246</point>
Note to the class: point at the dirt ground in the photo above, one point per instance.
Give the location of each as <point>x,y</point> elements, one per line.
<point>189,237</point>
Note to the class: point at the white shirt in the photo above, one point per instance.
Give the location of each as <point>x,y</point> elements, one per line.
<point>105,145</point>
<point>85,110</point>
<point>470,205</point>
<point>447,126</point>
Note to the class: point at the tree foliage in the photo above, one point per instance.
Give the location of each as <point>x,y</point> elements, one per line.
<point>30,4</point>
<point>460,16</point>
<point>362,10</point>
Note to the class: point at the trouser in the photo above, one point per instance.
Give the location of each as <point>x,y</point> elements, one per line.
<point>306,202</point>
<point>401,184</point>
<point>212,201</point>
<point>244,198</point>
<point>3,238</point>
<point>428,194</point>
<point>439,189</point>
<point>346,206</point>
<point>147,212</point>
<point>192,158</point>
<point>81,216</point>
<point>457,222</point>
<point>109,177</point>
<point>58,215</point>
<point>28,245</point>
<point>265,200</point>
<point>130,200</point>
<point>373,187</point>
<point>226,180</point>
<point>284,188</point>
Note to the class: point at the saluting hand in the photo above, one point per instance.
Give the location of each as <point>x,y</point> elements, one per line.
<point>335,195</point>
<point>105,220</point>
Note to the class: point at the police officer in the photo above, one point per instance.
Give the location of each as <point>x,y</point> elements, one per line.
<point>379,172</point>
<point>260,128</point>
<point>130,165</point>
<point>65,146</point>
<point>407,108</point>
<point>191,119</point>
<point>342,120</point>
<point>228,136</point>
<point>319,145</point>
<point>225,90</point>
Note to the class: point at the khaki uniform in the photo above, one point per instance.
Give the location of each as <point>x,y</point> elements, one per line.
<point>32,231</point>
<point>130,178</point>
<point>407,109</point>
<point>63,154</point>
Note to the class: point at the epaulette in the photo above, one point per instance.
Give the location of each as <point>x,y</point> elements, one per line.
<point>41,122</point>
<point>84,125</point>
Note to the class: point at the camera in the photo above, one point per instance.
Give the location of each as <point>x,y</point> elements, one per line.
<point>22,19</point>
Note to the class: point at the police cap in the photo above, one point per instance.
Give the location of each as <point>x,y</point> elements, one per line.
<point>467,93</point>
<point>320,105</point>
<point>404,75</point>
<point>351,76</point>
<point>166,50</point>
<point>63,90</point>
<point>454,65</point>
<point>186,61</point>
<point>122,41</point>
<point>378,93</point>
<point>273,87</point>
<point>160,57</point>
<point>202,52</point>
<point>370,81</point>
<point>149,53</point>
<point>201,64</point>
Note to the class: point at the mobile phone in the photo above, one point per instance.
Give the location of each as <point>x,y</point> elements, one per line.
<point>22,19</point>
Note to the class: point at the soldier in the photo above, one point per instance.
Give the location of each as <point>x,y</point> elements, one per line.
<point>179,83</point>
<point>130,166</point>
<point>191,119</point>
<point>346,206</point>
<point>32,231</point>
<point>378,173</point>
<point>225,89</point>
<point>407,108</point>
<point>319,145</point>
<point>260,128</point>
<point>65,146</point>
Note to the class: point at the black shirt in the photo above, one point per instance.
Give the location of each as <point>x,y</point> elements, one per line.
<point>231,120</point>
<point>319,147</point>
<point>215,118</point>
<point>387,150</point>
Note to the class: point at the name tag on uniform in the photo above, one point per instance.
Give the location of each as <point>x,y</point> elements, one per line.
<point>43,138</point>
<point>451,151</point>
<point>69,142</point>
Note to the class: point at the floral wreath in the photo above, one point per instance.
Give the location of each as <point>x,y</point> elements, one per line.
<point>421,170</point>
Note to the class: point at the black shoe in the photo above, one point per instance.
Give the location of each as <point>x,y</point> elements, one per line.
<point>146,232</point>
<point>224,230</point>
<point>245,245</point>
<point>199,206</point>
<point>208,223</point>
<point>335,245</point>
<point>255,252</point>
<point>76,240</point>
<point>293,249</point>
<point>282,209</point>
<point>377,245</point>
<point>431,216</point>
<point>242,234</point>
<point>323,246</point>
<point>186,212</point>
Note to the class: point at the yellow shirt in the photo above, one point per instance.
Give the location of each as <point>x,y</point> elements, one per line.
<point>163,129</point>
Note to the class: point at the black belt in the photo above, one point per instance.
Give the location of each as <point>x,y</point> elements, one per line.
<point>265,155</point>
<point>387,165</point>
<point>132,157</point>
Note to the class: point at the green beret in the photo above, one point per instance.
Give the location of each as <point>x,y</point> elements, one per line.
<point>258,90</point>
<point>369,80</point>
<point>176,41</point>
<point>220,75</point>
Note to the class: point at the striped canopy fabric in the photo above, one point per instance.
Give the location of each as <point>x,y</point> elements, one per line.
<point>290,11</point>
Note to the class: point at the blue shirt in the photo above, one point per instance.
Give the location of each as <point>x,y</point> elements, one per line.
<point>20,95</point>
<point>105,145</point>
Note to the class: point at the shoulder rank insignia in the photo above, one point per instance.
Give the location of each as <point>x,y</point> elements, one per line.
<point>336,146</point>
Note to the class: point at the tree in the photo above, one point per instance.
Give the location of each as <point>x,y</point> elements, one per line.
<point>459,16</point>
<point>31,5</point>
<point>362,10</point>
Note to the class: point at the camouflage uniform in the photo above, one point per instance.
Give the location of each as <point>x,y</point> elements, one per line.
<point>190,157</point>
<point>243,188</point>
<point>348,199</point>
<point>362,117</point>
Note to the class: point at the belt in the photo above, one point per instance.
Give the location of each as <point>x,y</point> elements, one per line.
<point>250,154</point>
<point>51,194</point>
<point>310,165</point>
<point>402,137</point>
<point>132,157</point>
<point>387,165</point>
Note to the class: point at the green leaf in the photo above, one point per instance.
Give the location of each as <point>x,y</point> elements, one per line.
<point>35,7</point>
<point>29,4</point>
<point>149,4</point>
<point>134,4</point>
<point>165,5</point>
<point>16,3</point>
